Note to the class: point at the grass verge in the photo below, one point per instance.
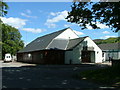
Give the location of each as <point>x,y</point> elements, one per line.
<point>106,76</point>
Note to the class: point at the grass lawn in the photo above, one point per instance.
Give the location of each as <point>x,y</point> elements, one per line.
<point>107,76</point>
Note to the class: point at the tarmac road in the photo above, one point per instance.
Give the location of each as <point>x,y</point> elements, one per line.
<point>20,75</point>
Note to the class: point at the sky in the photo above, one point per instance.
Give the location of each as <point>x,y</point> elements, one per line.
<point>35,19</point>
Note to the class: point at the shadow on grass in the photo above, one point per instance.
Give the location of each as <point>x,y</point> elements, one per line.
<point>109,76</point>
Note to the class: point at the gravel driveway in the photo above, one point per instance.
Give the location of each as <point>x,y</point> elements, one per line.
<point>20,75</point>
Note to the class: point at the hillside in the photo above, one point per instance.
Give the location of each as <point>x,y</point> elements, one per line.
<point>108,40</point>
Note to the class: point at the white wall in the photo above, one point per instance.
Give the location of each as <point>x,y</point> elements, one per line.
<point>93,57</point>
<point>104,56</point>
<point>75,54</point>
<point>98,51</point>
<point>112,54</point>
<point>68,57</point>
<point>67,34</point>
<point>119,55</point>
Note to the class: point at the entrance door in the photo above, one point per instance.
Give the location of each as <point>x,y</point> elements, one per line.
<point>54,57</point>
<point>86,56</point>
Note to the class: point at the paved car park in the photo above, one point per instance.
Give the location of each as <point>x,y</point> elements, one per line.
<point>22,75</point>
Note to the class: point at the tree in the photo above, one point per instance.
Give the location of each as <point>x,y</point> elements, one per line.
<point>89,13</point>
<point>3,8</point>
<point>11,40</point>
<point>3,12</point>
<point>108,40</point>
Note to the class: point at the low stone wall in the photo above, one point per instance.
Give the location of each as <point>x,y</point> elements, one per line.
<point>116,62</point>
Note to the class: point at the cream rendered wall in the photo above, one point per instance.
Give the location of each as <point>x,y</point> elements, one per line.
<point>67,34</point>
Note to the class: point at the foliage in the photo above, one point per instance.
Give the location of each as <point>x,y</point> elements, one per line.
<point>3,12</point>
<point>11,40</point>
<point>89,13</point>
<point>109,40</point>
<point>3,8</point>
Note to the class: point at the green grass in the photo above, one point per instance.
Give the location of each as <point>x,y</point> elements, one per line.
<point>106,76</point>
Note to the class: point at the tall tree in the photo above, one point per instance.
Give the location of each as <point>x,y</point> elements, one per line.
<point>91,13</point>
<point>3,8</point>
<point>11,40</point>
<point>3,12</point>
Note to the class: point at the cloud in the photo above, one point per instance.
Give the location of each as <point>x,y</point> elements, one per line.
<point>105,37</point>
<point>71,24</point>
<point>106,32</point>
<point>19,24</point>
<point>28,16</point>
<point>89,27</point>
<point>28,11</point>
<point>78,33</point>
<point>58,16</point>
<point>61,16</point>
<point>33,30</point>
<point>53,14</point>
<point>102,26</point>
<point>15,22</point>
<point>50,25</point>
<point>68,25</point>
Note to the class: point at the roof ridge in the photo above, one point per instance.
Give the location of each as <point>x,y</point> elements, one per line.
<point>53,32</point>
<point>79,38</point>
<point>109,43</point>
<point>53,38</point>
<point>76,43</point>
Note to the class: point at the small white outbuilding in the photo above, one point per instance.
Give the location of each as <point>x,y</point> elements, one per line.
<point>110,51</point>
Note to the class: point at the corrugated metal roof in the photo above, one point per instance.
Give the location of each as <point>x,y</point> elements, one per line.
<point>110,46</point>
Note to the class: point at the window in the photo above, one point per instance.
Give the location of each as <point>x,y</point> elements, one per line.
<point>102,54</point>
<point>29,55</point>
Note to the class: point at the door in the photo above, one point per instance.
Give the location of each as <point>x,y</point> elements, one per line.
<point>54,57</point>
<point>86,56</point>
